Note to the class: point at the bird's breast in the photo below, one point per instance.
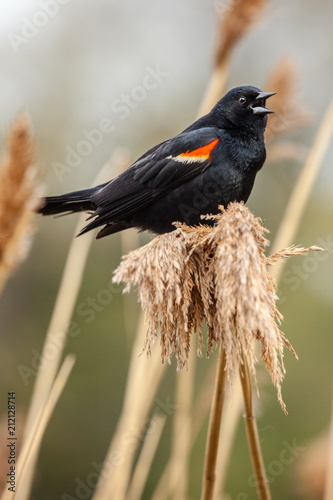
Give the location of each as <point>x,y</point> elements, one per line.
<point>245,154</point>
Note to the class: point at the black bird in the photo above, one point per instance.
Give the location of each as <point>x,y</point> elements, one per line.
<point>212,162</point>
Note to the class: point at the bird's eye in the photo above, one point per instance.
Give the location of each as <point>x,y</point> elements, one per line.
<point>242,100</point>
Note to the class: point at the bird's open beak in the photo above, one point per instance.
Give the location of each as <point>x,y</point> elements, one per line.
<point>258,107</point>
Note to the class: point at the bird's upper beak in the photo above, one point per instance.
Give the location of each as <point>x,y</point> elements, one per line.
<point>258,106</point>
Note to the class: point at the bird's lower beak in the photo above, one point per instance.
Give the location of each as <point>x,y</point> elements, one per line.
<point>258,107</point>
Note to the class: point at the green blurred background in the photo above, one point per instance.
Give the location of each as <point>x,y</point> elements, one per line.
<point>69,75</point>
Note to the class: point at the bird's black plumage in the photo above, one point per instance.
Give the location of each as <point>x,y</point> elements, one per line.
<point>213,162</point>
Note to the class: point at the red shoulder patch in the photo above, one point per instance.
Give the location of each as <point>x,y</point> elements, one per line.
<point>203,153</point>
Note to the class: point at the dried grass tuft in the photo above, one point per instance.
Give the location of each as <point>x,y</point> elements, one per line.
<point>217,274</point>
<point>19,193</point>
<point>289,113</point>
<point>285,253</point>
<point>239,16</point>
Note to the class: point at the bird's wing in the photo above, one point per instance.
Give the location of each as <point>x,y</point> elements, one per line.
<point>156,173</point>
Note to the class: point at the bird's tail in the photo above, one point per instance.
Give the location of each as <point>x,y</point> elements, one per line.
<point>77,201</point>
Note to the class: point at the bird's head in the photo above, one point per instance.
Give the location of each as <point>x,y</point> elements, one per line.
<point>245,107</point>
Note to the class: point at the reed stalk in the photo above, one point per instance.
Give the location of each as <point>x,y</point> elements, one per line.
<point>168,482</point>
<point>252,433</point>
<point>212,443</point>
<point>115,476</point>
<point>182,431</point>
<point>142,468</point>
<point>20,189</point>
<point>230,421</point>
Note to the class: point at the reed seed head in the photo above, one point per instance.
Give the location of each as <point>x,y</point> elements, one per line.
<point>290,113</point>
<point>19,194</point>
<point>238,16</point>
<point>217,274</point>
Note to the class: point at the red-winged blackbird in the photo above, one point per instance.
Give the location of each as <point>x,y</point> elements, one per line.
<point>212,162</point>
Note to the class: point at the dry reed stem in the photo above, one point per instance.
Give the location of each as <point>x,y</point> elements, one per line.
<point>146,457</point>
<point>61,315</point>
<point>182,431</point>
<point>289,113</point>
<point>231,411</point>
<point>215,88</point>
<point>329,471</point>
<point>212,443</point>
<point>167,482</point>
<point>201,407</point>
<point>114,478</point>
<point>252,433</point>
<point>301,192</point>
<point>34,438</point>
<point>19,192</point>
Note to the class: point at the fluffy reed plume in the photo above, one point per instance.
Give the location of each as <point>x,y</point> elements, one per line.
<point>236,19</point>
<point>217,274</point>
<point>289,114</point>
<point>19,192</point>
